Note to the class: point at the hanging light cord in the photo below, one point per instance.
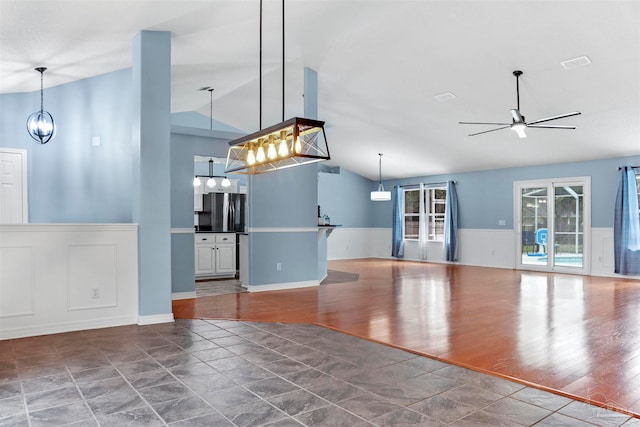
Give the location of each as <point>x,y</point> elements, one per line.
<point>260,79</point>
<point>380,171</point>
<point>283,60</point>
<point>41,89</point>
<point>211,109</point>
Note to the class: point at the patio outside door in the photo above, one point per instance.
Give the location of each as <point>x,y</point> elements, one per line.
<point>553,225</point>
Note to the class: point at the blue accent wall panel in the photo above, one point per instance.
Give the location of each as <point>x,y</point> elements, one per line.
<point>182,263</point>
<point>69,179</point>
<point>152,168</point>
<point>296,251</point>
<point>285,198</point>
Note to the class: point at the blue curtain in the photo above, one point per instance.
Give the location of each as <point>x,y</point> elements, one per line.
<point>397,244</point>
<point>626,225</point>
<point>451,223</point>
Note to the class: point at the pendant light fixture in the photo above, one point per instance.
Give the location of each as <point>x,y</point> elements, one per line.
<point>40,124</point>
<point>294,142</point>
<point>211,179</point>
<point>380,195</point>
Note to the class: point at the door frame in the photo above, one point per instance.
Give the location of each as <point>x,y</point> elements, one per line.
<point>25,192</point>
<point>585,181</point>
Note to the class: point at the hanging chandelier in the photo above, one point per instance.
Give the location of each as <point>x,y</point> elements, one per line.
<point>40,124</point>
<point>294,142</point>
<point>380,195</point>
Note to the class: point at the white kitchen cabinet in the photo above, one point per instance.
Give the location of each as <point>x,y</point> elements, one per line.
<point>215,254</point>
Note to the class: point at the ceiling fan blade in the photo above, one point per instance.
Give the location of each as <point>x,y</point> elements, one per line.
<point>517,117</point>
<point>561,116</point>
<point>491,130</point>
<point>484,123</point>
<point>551,127</point>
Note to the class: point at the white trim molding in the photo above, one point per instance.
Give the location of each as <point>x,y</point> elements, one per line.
<point>282,229</point>
<point>183,295</point>
<point>281,286</point>
<point>183,231</point>
<point>152,319</point>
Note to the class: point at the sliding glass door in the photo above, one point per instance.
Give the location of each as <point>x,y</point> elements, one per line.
<point>553,224</point>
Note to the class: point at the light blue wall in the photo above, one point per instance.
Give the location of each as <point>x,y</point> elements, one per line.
<point>284,199</point>
<point>69,180</point>
<point>345,197</point>
<point>151,129</point>
<point>487,196</point>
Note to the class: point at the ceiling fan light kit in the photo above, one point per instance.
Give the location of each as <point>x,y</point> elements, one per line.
<point>518,123</point>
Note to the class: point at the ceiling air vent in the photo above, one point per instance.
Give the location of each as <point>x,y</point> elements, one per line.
<point>575,62</point>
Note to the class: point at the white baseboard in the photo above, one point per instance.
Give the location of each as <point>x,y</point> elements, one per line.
<point>281,286</point>
<point>57,328</point>
<point>183,295</point>
<point>155,318</point>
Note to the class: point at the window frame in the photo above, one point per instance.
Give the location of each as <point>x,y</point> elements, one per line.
<point>433,216</point>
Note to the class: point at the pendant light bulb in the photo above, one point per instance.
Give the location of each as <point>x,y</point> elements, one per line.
<point>196,182</point>
<point>298,146</point>
<point>251,156</point>
<point>260,154</point>
<point>226,182</point>
<point>272,154</point>
<point>283,149</point>
<point>40,124</point>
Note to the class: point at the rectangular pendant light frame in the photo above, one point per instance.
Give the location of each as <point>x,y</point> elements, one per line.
<point>308,132</point>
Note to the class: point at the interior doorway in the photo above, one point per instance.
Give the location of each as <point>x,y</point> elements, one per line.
<point>14,206</point>
<point>553,225</point>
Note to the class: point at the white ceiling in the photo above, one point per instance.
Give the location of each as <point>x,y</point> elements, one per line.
<point>379,63</point>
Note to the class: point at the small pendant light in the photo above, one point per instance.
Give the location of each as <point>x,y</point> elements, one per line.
<point>40,124</point>
<point>380,195</point>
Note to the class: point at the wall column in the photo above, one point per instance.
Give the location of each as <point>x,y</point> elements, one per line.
<point>151,172</point>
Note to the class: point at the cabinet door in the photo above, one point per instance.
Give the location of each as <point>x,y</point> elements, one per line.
<point>205,261</point>
<point>226,258</point>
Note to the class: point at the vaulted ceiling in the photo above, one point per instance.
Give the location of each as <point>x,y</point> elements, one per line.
<point>380,64</point>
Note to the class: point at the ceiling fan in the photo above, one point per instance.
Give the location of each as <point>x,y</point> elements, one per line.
<point>518,123</point>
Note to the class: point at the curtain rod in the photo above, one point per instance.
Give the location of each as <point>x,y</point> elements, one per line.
<point>632,167</point>
<point>424,183</point>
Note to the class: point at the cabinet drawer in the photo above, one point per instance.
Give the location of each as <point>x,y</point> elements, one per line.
<point>226,238</point>
<point>205,238</point>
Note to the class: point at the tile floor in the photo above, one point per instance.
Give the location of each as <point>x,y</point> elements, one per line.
<point>231,373</point>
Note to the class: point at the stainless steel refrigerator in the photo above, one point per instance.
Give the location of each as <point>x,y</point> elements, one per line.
<point>224,212</point>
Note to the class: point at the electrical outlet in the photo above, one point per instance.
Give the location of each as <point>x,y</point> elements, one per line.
<point>278,266</point>
<point>95,293</point>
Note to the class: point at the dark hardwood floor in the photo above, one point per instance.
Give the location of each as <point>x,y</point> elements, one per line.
<point>578,336</point>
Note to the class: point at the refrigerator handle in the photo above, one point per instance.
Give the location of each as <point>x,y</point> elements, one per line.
<point>232,216</point>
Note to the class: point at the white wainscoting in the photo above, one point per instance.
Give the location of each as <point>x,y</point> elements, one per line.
<point>65,277</point>
<point>477,247</point>
<point>602,258</point>
<point>351,243</point>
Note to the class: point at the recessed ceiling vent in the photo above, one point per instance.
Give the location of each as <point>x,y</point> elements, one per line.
<point>575,62</point>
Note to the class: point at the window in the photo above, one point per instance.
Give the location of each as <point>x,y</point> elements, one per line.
<point>435,201</point>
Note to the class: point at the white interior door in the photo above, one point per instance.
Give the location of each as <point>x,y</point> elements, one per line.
<point>553,225</point>
<point>13,187</point>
